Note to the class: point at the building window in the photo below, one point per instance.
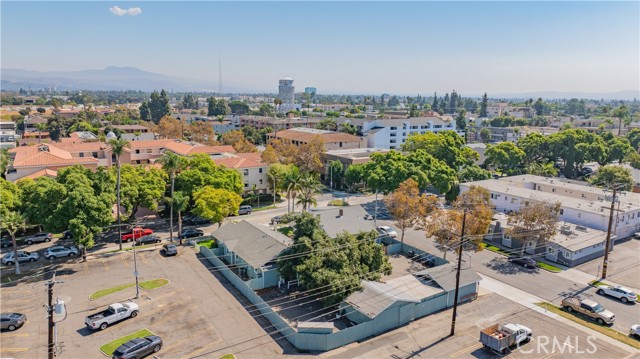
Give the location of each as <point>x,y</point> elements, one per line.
<point>95,154</point>
<point>393,128</point>
<point>246,185</point>
<point>260,181</point>
<point>246,172</point>
<point>392,141</point>
<point>260,170</point>
<point>393,134</point>
<point>340,144</point>
<point>137,152</point>
<point>553,190</point>
<point>561,211</point>
<point>579,215</point>
<point>149,150</point>
<point>81,154</point>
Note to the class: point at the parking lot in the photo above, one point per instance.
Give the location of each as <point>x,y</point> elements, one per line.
<point>194,314</point>
<point>624,264</point>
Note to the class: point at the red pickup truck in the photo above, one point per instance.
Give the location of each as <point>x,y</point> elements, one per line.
<point>136,233</point>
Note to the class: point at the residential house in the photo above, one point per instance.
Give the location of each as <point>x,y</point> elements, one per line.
<point>581,203</point>
<point>350,219</point>
<point>31,122</point>
<point>29,160</point>
<point>332,140</point>
<point>251,168</point>
<point>251,250</point>
<point>147,151</point>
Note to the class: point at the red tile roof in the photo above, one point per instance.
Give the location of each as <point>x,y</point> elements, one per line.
<point>45,172</point>
<point>46,155</point>
<point>238,162</point>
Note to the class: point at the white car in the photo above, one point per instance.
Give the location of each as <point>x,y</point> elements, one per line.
<point>23,256</point>
<point>60,251</point>
<point>622,293</point>
<point>386,230</point>
<point>635,331</point>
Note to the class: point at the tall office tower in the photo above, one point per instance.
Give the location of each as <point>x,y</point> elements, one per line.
<point>286,93</point>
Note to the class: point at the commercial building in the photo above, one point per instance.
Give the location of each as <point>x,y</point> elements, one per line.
<point>310,90</point>
<point>277,124</point>
<point>287,93</point>
<point>581,203</point>
<point>7,135</point>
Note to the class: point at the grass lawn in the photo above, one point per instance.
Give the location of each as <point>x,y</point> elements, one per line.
<point>540,265</point>
<point>258,209</point>
<point>612,333</point>
<point>137,247</point>
<point>228,356</point>
<point>338,202</point>
<point>110,347</point>
<point>147,285</point>
<point>211,243</point>
<point>549,267</point>
<point>287,231</point>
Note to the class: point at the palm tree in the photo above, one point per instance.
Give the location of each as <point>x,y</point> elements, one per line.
<point>309,186</point>
<point>292,184</point>
<point>180,202</point>
<point>12,223</point>
<point>117,147</point>
<point>255,194</point>
<point>172,164</point>
<point>41,127</point>
<point>545,169</point>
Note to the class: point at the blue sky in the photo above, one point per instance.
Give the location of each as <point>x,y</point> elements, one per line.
<point>348,47</point>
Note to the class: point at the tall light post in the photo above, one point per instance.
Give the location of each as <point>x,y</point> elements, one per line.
<point>135,269</point>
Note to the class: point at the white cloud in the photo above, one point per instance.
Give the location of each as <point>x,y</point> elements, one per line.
<point>132,11</point>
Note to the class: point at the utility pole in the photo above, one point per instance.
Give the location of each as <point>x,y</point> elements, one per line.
<point>608,242</point>
<point>135,269</point>
<point>455,299</point>
<point>50,310</point>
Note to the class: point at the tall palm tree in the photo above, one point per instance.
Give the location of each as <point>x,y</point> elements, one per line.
<point>117,147</point>
<point>309,186</point>
<point>292,184</point>
<point>180,202</point>
<point>12,223</point>
<point>172,163</point>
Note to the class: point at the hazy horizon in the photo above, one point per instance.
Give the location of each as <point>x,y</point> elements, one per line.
<point>353,47</point>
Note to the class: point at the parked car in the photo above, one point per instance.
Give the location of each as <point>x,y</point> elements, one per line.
<point>622,293</point>
<point>387,231</point>
<point>60,251</point>
<point>636,235</point>
<point>114,313</point>
<point>245,210</point>
<point>501,338</point>
<point>67,234</point>
<point>39,237</point>
<point>151,238</point>
<point>138,348</point>
<point>190,233</point>
<point>136,233</point>
<point>635,331</point>
<point>12,321</point>
<point>23,256</point>
<point>170,250</point>
<point>6,243</point>
<point>526,262</point>
<point>589,309</point>
<point>276,219</point>
<point>195,220</point>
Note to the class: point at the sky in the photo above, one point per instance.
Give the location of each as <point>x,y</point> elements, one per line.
<point>339,47</point>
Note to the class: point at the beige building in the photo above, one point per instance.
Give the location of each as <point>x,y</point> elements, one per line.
<point>332,140</point>
<point>251,168</point>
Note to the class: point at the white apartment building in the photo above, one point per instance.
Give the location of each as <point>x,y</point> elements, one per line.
<point>581,204</point>
<point>500,109</point>
<point>392,133</point>
<point>7,135</point>
<point>251,168</point>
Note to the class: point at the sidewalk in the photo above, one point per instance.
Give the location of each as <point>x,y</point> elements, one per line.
<point>582,277</point>
<point>529,301</point>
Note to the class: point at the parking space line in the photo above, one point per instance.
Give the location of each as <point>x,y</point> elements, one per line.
<point>465,350</point>
<point>201,350</point>
<point>179,342</point>
<point>13,350</point>
<point>144,258</point>
<point>124,262</point>
<point>106,265</point>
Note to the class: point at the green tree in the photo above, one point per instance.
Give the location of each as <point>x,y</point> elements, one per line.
<point>159,106</point>
<point>200,171</point>
<point>145,111</point>
<point>40,199</point>
<point>118,146</point>
<point>180,203</point>
<point>12,222</point>
<point>634,138</point>
<point>292,183</point>
<point>239,108</point>
<point>534,223</point>
<point>545,169</point>
<point>266,110</point>
<point>536,147</point>
<point>328,124</point>
<point>336,174</point>
<point>215,204</point>
<point>10,195</point>
<point>190,101</point>
<point>505,156</point>
<point>485,135</point>
<point>141,186</point>
<point>355,174</point>
<point>41,127</point>
<point>483,105</point>
<point>4,162</point>
<point>618,150</point>
<point>622,114</point>
<point>309,187</point>
<point>539,107</point>
<point>172,164</point>
<point>461,120</point>
<point>408,206</point>
<point>612,177</point>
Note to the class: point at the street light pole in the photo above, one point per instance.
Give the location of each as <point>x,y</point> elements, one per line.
<point>135,269</point>
<point>455,299</point>
<point>608,241</point>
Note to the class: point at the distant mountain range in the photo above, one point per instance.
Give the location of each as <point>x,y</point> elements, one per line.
<point>110,78</point>
<point>548,95</point>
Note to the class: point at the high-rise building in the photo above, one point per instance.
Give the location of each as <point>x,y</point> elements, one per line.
<point>310,90</point>
<point>286,92</point>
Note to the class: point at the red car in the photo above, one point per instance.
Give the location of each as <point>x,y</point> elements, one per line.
<point>136,233</point>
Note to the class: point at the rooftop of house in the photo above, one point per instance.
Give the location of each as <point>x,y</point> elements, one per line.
<point>376,297</point>
<point>255,244</point>
<point>445,276</point>
<point>42,173</point>
<point>308,134</point>
<point>46,154</point>
<point>181,147</point>
<point>239,162</point>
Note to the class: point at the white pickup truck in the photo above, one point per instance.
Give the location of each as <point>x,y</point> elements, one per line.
<point>114,313</point>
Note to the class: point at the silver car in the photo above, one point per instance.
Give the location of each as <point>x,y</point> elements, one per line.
<point>60,251</point>
<point>138,348</point>
<point>12,321</point>
<point>23,256</point>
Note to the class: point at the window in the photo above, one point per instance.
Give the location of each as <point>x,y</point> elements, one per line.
<point>260,170</point>
<point>437,126</point>
<point>561,211</point>
<point>246,184</point>
<point>260,181</point>
<point>392,141</point>
<point>553,190</point>
<point>81,154</point>
<point>340,144</point>
<point>393,134</point>
<point>246,172</point>
<point>95,155</point>
<point>137,152</point>
<point>149,150</point>
<point>393,128</point>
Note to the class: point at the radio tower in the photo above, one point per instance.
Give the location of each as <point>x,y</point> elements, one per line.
<point>219,76</point>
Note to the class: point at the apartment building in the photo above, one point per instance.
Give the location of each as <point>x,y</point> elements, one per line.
<point>47,158</point>
<point>31,122</point>
<point>275,123</point>
<point>503,109</point>
<point>251,168</point>
<point>147,151</point>
<point>581,203</point>
<point>332,140</point>
<point>392,133</point>
<point>498,134</point>
<point>348,157</point>
<point>7,135</point>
